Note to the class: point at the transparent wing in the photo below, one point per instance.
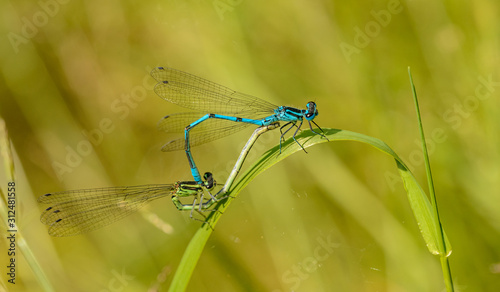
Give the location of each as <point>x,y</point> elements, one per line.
<point>207,131</point>
<point>199,94</point>
<point>79,211</point>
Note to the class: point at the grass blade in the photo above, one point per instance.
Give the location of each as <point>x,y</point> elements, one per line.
<point>442,242</point>
<point>8,158</point>
<point>419,202</point>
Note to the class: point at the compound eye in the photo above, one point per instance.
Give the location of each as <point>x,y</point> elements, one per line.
<point>207,175</point>
<point>311,105</point>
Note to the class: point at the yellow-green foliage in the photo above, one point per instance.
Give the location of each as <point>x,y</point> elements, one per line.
<point>77,100</point>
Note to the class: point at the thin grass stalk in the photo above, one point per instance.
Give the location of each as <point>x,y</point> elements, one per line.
<point>445,265</point>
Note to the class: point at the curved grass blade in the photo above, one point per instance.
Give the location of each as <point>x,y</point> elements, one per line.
<point>442,243</point>
<point>7,156</point>
<point>418,199</point>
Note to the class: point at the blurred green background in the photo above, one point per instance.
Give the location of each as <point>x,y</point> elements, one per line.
<point>336,219</point>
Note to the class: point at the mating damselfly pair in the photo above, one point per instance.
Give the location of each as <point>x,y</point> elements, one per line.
<point>221,112</point>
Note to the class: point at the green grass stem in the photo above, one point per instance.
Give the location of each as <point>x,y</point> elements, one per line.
<point>26,252</point>
<point>442,243</point>
<point>418,200</point>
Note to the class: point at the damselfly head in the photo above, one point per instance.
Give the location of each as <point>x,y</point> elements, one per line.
<point>209,180</point>
<point>312,111</point>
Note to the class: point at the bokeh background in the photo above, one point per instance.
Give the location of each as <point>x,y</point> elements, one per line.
<point>336,219</point>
